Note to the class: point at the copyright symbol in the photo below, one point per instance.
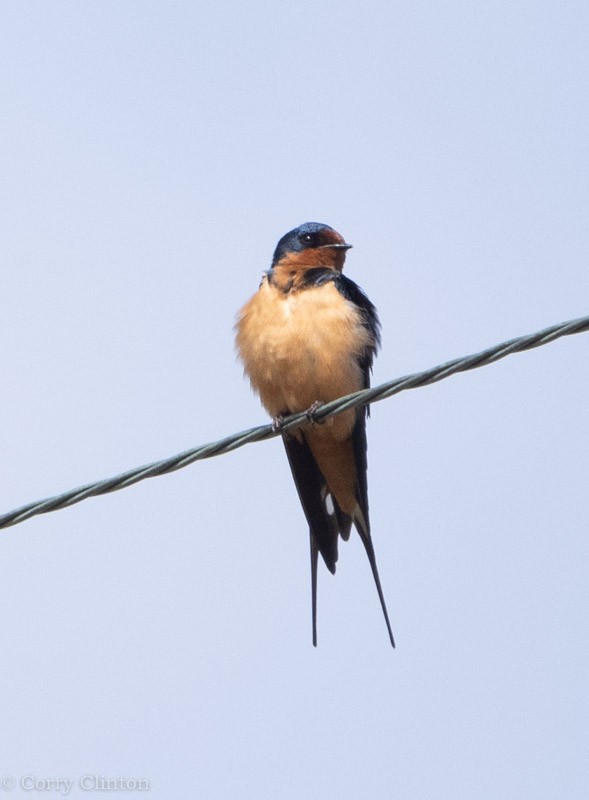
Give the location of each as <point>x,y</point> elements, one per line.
<point>7,783</point>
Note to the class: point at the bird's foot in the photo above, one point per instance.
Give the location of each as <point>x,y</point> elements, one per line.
<point>310,413</point>
<point>277,423</point>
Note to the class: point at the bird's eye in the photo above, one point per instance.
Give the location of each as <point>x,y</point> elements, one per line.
<point>307,238</point>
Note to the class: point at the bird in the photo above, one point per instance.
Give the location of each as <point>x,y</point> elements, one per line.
<point>308,336</point>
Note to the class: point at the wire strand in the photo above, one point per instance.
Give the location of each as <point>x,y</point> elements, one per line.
<point>233,442</point>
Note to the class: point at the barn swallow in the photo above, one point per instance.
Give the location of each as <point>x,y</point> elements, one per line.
<point>308,336</point>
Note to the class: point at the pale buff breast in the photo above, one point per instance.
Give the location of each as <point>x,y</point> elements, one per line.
<point>301,347</point>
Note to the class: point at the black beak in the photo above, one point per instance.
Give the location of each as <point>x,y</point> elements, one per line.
<point>335,246</point>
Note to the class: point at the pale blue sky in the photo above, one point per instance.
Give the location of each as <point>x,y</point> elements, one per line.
<point>151,156</point>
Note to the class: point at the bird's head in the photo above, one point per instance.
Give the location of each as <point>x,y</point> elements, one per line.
<point>311,245</point>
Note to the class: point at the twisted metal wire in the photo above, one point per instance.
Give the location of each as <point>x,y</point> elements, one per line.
<point>229,443</point>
